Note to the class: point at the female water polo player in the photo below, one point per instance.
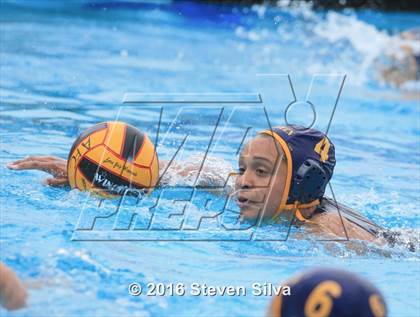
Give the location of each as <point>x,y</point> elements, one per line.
<point>283,174</point>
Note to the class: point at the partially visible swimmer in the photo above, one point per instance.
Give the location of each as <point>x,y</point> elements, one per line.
<point>328,293</point>
<point>282,177</point>
<point>401,66</point>
<point>12,292</point>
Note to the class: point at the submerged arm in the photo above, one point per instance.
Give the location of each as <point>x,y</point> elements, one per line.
<point>215,173</point>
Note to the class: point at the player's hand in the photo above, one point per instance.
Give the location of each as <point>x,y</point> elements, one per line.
<point>56,166</point>
<point>12,292</point>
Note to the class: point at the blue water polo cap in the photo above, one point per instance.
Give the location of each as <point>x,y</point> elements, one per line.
<point>310,158</point>
<point>329,293</point>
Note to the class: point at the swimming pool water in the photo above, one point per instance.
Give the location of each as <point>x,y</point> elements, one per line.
<point>65,67</point>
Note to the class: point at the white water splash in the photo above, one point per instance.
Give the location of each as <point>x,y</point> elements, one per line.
<point>214,173</point>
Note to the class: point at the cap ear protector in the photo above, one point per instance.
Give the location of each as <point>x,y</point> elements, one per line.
<point>309,182</point>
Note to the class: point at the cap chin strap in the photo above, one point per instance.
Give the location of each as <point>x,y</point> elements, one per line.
<point>297,207</point>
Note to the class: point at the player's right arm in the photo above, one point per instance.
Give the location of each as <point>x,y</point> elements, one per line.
<point>56,166</point>
<point>213,174</point>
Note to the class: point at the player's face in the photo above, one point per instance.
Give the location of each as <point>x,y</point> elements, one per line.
<point>260,183</point>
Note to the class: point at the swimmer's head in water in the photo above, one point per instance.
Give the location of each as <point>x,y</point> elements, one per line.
<point>286,168</point>
<point>329,293</point>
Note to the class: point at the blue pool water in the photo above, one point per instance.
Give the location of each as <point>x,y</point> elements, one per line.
<point>66,67</point>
